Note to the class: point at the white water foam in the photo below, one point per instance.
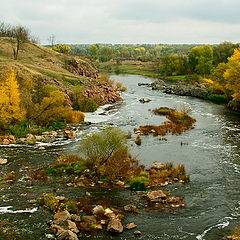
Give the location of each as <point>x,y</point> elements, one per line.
<point>8,210</point>
<point>220,226</point>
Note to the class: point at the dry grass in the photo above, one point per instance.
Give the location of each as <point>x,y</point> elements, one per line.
<point>37,61</point>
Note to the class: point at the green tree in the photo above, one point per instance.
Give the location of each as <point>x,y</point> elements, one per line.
<point>223,51</point>
<point>201,60</point>
<point>94,51</point>
<point>106,151</point>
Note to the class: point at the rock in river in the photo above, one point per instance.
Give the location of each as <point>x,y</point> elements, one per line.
<point>3,161</point>
<point>145,100</point>
<point>115,226</point>
<point>156,196</point>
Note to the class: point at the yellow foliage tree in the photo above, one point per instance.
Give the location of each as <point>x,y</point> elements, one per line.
<point>10,103</point>
<point>232,75</point>
<point>52,108</point>
<point>62,49</point>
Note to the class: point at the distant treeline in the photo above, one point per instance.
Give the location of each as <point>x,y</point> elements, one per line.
<point>177,59</point>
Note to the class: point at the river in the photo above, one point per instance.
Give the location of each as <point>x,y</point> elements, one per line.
<point>210,153</point>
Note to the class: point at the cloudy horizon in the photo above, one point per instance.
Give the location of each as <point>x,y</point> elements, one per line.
<point>127,21</point>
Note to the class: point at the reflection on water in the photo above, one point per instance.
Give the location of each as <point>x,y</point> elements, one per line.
<point>211,157</point>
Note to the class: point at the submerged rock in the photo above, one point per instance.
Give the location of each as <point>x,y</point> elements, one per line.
<point>115,226</point>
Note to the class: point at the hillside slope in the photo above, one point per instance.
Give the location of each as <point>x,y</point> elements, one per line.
<point>43,66</point>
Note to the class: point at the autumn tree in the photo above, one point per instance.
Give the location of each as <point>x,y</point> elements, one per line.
<point>52,108</point>
<point>10,103</point>
<point>232,75</point>
<point>62,48</point>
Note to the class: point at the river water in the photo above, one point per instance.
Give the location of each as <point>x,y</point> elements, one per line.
<point>210,153</point>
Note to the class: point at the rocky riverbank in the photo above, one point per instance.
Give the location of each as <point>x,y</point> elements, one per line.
<point>45,137</point>
<point>194,90</point>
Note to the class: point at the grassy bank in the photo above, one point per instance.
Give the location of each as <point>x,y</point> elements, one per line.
<point>137,68</point>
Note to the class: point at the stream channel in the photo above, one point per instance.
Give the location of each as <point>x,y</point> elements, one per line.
<point>210,153</point>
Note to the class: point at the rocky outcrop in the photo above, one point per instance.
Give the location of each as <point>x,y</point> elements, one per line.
<point>103,93</point>
<point>194,90</point>
<point>81,67</point>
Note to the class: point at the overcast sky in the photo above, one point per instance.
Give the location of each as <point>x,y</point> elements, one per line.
<point>127,21</point>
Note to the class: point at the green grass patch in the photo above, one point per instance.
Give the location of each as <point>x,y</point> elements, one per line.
<point>218,99</point>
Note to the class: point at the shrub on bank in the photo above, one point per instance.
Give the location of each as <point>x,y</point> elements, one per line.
<point>219,99</point>
<point>87,105</point>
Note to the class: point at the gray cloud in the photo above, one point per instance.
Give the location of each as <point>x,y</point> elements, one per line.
<point>130,21</point>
